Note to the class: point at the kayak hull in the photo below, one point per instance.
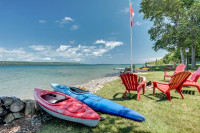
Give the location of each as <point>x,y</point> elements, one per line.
<point>99,103</point>
<point>68,109</point>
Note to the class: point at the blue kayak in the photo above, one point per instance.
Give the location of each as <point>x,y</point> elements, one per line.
<point>99,103</point>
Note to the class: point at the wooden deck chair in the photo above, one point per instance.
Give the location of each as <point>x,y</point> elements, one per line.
<point>130,81</point>
<point>179,68</point>
<point>193,81</point>
<point>174,84</point>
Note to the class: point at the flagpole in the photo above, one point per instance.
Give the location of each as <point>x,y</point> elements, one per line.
<point>131,37</point>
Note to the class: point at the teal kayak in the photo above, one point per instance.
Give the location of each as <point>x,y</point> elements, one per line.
<point>99,103</point>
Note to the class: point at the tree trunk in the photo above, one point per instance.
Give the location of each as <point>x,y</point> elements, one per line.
<point>182,56</point>
<point>193,57</point>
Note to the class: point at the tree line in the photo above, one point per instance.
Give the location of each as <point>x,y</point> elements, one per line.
<point>176,25</point>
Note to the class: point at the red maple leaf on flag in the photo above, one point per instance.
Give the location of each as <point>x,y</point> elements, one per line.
<point>131,15</point>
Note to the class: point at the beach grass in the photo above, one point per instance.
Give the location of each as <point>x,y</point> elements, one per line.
<point>179,115</point>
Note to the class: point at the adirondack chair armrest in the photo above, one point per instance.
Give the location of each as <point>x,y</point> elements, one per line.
<point>197,77</point>
<point>158,82</point>
<point>143,82</point>
<point>169,67</point>
<point>178,71</point>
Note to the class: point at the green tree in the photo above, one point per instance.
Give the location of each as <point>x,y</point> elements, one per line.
<point>167,17</point>
<point>190,28</point>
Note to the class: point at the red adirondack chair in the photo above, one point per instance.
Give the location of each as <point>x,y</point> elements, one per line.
<point>169,67</point>
<point>130,81</point>
<point>174,84</point>
<point>193,81</point>
<point>179,68</point>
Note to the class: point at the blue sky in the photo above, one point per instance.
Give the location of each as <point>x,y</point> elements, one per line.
<point>85,31</point>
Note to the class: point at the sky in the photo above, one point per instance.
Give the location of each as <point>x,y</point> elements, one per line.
<point>83,31</point>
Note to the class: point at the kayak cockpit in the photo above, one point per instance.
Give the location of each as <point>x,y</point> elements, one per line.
<point>54,98</point>
<point>77,90</point>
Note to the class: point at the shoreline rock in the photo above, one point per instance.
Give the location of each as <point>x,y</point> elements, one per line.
<point>97,84</point>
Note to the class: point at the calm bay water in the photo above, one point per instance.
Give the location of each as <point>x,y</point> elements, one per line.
<point>20,81</point>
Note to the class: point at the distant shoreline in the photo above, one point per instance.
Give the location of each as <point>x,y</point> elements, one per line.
<point>8,63</point>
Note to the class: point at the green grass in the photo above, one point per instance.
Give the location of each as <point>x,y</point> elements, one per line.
<point>179,115</point>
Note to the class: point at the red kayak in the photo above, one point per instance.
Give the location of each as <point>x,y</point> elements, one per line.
<point>66,107</point>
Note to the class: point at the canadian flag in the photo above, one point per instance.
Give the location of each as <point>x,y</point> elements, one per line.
<point>131,14</point>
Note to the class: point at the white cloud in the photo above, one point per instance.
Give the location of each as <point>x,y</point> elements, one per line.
<point>38,47</point>
<point>42,21</point>
<point>86,50</point>
<point>74,27</point>
<point>99,52</point>
<point>72,41</point>
<point>125,10</point>
<point>99,41</point>
<point>60,53</point>
<point>47,58</point>
<point>109,44</point>
<point>113,44</point>
<point>138,23</point>
<point>77,59</point>
<point>10,59</point>
<point>14,54</point>
<point>63,48</point>
<point>65,20</point>
<point>151,59</point>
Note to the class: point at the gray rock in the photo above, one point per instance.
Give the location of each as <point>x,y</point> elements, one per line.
<point>4,113</point>
<point>30,107</point>
<point>8,118</point>
<point>7,101</point>
<point>0,102</point>
<point>1,120</point>
<point>97,84</point>
<point>18,115</point>
<point>16,106</point>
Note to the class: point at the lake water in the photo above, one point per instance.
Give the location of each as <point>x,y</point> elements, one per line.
<point>20,81</point>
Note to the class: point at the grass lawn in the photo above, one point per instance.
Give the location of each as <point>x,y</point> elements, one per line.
<point>163,116</point>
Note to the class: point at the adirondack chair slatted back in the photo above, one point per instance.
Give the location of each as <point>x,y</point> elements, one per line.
<point>179,68</point>
<point>130,81</point>
<point>178,79</point>
<point>195,75</point>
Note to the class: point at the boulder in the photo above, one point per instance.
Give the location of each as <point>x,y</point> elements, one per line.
<point>16,106</point>
<point>8,118</point>
<point>18,115</point>
<point>7,101</point>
